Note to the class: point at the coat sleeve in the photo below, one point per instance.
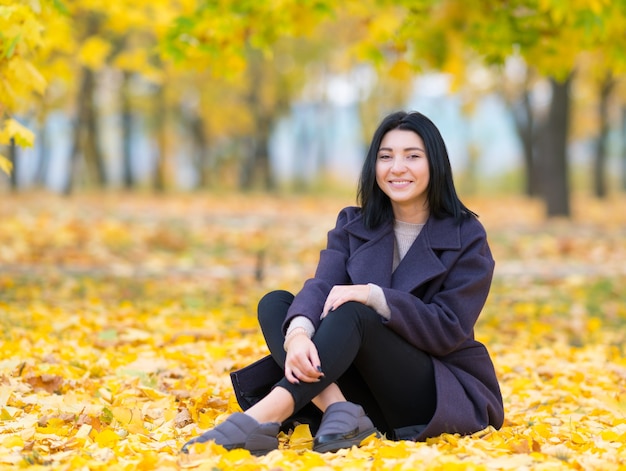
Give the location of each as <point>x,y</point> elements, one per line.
<point>444,317</point>
<point>331,271</point>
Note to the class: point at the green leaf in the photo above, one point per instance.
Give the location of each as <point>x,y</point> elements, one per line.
<point>60,7</point>
<point>12,45</point>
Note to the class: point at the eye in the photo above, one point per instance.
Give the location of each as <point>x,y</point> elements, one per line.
<point>384,157</point>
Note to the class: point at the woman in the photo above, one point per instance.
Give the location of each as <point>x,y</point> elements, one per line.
<point>381,340</point>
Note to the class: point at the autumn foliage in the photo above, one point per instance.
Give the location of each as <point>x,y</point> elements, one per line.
<point>122,316</point>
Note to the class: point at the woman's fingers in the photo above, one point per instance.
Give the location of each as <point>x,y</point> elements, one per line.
<point>302,363</point>
<point>341,294</point>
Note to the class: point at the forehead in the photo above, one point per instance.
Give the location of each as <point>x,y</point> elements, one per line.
<point>401,139</point>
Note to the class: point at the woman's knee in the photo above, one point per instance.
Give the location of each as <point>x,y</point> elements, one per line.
<point>353,311</point>
<point>273,304</point>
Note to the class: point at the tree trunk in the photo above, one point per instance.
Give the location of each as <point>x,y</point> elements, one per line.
<point>525,127</point>
<point>160,169</point>
<point>599,163</point>
<point>13,159</point>
<point>86,136</point>
<point>128,180</point>
<point>553,159</point>
<point>43,154</point>
<point>72,171</point>
<point>256,165</point>
<point>624,147</point>
<point>201,156</point>
<point>93,152</point>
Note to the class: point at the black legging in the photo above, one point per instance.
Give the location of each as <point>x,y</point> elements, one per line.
<point>373,366</point>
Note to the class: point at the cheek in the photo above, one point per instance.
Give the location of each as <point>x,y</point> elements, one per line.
<point>380,172</point>
<point>425,171</point>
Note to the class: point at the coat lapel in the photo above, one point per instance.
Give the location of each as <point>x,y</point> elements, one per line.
<point>421,263</point>
<point>372,260</point>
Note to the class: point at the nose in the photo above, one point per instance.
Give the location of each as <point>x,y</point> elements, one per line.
<point>398,165</point>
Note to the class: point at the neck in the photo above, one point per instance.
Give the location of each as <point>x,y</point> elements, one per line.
<point>411,215</point>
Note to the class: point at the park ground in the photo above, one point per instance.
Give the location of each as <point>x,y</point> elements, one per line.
<point>121,316</point>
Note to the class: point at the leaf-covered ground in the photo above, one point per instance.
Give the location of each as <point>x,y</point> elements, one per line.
<point>121,317</point>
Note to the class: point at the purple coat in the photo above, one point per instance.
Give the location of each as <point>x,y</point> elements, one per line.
<point>435,296</point>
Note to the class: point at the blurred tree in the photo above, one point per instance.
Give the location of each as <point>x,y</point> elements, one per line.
<point>86,129</point>
<point>12,163</point>
<point>549,35</point>
<point>623,150</point>
<point>21,35</point>
<point>516,90</point>
<point>238,40</point>
<point>600,184</point>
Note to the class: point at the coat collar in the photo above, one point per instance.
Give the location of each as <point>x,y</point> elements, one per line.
<point>443,233</point>
<point>372,261</point>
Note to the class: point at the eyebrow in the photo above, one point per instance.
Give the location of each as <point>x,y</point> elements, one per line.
<point>388,149</point>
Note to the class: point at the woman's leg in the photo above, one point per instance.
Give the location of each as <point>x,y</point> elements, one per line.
<point>399,377</point>
<point>272,311</point>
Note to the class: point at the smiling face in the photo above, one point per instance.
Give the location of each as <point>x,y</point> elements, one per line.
<point>402,174</point>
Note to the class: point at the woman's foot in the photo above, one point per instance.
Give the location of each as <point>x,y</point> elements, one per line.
<point>344,424</point>
<point>241,431</point>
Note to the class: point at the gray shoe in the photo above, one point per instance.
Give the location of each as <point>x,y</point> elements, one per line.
<point>344,425</point>
<point>241,431</point>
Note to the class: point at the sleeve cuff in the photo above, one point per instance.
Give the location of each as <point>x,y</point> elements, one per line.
<point>377,301</point>
<point>302,322</point>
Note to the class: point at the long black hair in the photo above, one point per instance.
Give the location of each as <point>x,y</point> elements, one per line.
<point>442,198</point>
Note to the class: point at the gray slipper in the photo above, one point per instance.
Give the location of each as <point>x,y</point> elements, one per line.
<point>241,431</point>
<point>344,425</point>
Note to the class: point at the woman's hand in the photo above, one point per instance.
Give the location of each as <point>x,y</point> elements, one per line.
<point>302,362</point>
<point>340,294</point>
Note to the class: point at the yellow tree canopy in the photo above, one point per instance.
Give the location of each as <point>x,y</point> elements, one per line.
<point>20,35</point>
<point>549,34</point>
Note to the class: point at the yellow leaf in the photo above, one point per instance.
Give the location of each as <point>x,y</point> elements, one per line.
<point>301,438</point>
<point>401,70</point>
<point>206,419</point>
<point>94,52</point>
<point>130,419</point>
<point>107,438</point>
<point>83,432</point>
<point>13,441</point>
<point>610,436</point>
<point>5,415</point>
<point>5,391</point>
<point>5,164</point>
<point>13,129</point>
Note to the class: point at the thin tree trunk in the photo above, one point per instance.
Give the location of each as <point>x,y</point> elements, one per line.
<point>93,152</point>
<point>554,165</point>
<point>13,159</point>
<point>525,127</point>
<point>201,149</point>
<point>159,184</point>
<point>86,136</point>
<point>43,157</point>
<point>257,163</point>
<point>70,182</point>
<point>128,180</point>
<point>599,165</point>
<point>624,147</point>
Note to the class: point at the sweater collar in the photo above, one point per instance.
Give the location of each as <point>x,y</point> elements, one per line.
<point>442,233</point>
